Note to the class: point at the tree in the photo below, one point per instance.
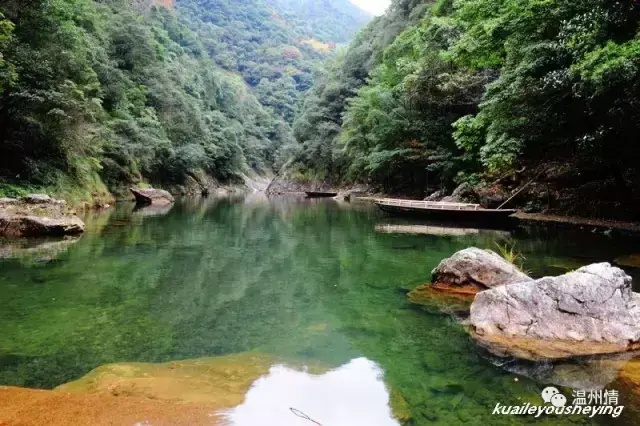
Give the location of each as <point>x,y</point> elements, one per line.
<point>568,83</point>
<point>7,70</point>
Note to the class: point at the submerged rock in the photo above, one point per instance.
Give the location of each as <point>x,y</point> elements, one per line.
<point>472,270</point>
<point>232,388</point>
<point>585,373</point>
<point>628,384</point>
<point>589,311</point>
<point>456,303</point>
<point>222,381</point>
<point>148,196</point>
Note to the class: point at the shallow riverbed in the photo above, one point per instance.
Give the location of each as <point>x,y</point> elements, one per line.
<point>315,281</point>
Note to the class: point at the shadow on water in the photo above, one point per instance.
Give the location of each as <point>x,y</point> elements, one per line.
<point>309,279</point>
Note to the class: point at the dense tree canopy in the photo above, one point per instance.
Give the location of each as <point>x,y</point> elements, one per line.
<point>122,91</point>
<point>319,125</point>
<point>471,90</point>
<point>96,85</point>
<point>334,21</point>
<point>273,43</point>
<point>429,95</point>
<point>568,82</point>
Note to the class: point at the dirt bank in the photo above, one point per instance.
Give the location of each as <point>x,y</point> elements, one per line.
<point>602,224</point>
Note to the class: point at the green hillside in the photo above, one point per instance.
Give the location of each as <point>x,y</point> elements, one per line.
<point>489,93</point>
<point>95,92</point>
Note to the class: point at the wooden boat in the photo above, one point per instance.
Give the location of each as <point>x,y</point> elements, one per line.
<point>315,194</point>
<point>443,210</point>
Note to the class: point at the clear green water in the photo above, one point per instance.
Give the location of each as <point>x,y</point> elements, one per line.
<point>305,279</point>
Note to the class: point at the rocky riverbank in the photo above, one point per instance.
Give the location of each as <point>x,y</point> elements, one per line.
<point>591,310</point>
<point>588,311</point>
<point>177,393</point>
<point>213,390</point>
<point>490,197</point>
<point>580,329</point>
<point>37,215</point>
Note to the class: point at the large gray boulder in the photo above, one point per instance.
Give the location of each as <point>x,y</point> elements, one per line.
<point>464,193</point>
<point>478,269</point>
<point>149,196</point>
<point>35,226</point>
<point>435,196</point>
<point>585,373</point>
<point>37,215</point>
<point>589,311</point>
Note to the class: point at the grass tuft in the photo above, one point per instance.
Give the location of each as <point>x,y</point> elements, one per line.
<point>511,255</point>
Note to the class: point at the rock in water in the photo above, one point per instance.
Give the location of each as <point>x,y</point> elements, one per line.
<point>149,196</point>
<point>33,226</point>
<point>474,270</point>
<point>37,215</point>
<point>589,311</point>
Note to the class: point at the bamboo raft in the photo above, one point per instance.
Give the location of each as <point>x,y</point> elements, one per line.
<point>443,210</point>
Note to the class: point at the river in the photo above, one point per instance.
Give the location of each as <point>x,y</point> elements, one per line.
<point>316,281</point>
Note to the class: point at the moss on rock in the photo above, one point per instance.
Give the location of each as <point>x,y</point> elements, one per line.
<point>222,381</point>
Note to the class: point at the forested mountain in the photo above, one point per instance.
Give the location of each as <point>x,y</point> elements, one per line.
<point>319,127</point>
<point>123,91</point>
<point>329,21</point>
<point>487,91</point>
<point>276,45</point>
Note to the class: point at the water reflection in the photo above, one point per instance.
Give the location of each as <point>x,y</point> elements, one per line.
<point>394,228</point>
<point>152,210</point>
<point>36,250</point>
<point>584,373</point>
<point>353,394</point>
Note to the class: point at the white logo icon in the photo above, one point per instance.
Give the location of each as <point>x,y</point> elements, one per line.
<point>558,400</point>
<point>549,392</point>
